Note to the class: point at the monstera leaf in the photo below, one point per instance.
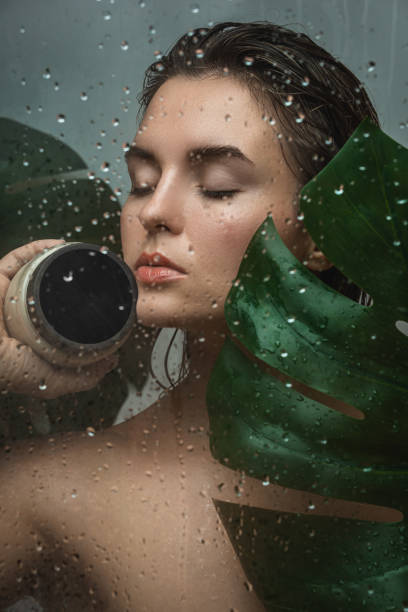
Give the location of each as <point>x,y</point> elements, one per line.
<point>356,210</point>
<point>45,192</point>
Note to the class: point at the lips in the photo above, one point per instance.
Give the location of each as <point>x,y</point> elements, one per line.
<point>157,259</point>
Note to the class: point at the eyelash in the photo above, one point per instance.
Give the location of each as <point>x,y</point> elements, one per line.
<point>213,195</point>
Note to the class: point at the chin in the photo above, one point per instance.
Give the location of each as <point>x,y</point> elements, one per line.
<point>155,319</point>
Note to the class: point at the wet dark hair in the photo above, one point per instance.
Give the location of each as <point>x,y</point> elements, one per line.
<point>317,101</point>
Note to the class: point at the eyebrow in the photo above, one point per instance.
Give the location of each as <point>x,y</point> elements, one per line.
<point>198,154</point>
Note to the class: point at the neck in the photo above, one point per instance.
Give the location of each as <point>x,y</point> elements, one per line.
<point>203,349</point>
<point>188,398</point>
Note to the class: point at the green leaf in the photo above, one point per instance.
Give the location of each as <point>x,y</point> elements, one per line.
<point>356,210</point>
<point>45,192</point>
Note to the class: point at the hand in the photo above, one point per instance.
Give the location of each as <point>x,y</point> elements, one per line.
<point>21,369</point>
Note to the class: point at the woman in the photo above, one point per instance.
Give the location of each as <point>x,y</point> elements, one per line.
<point>236,119</point>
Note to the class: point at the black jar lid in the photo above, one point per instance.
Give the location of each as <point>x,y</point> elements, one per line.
<point>82,296</point>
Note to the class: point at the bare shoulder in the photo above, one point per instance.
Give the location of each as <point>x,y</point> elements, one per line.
<point>57,497</point>
<point>105,520</point>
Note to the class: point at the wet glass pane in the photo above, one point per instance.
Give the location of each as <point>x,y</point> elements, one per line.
<point>203,342</point>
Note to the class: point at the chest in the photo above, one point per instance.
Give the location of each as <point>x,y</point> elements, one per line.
<point>145,540</point>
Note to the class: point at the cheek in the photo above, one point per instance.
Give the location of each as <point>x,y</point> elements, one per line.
<point>229,241</point>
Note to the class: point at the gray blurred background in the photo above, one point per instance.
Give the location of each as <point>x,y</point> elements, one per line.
<point>73,68</point>
<point>85,59</point>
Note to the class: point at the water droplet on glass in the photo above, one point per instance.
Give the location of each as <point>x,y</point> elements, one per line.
<point>61,118</point>
<point>199,53</point>
<point>105,167</point>
<point>91,176</point>
<point>311,506</point>
<point>84,96</point>
<point>388,218</point>
<point>402,326</point>
<point>288,101</point>
<point>124,45</point>
<point>396,243</point>
<point>300,118</point>
<point>402,201</point>
<point>339,190</point>
<point>248,60</point>
<point>284,354</point>
<point>371,66</point>
<point>107,15</point>
<point>46,74</point>
<point>22,30</point>
<point>305,81</point>
<point>291,319</point>
<point>302,290</point>
<point>227,117</point>
<point>42,386</point>
<point>56,86</point>
<point>23,81</point>
<point>74,493</point>
<point>362,168</point>
<point>26,163</point>
<point>272,121</point>
<point>142,3</point>
<point>90,431</point>
<point>68,277</point>
<point>152,30</point>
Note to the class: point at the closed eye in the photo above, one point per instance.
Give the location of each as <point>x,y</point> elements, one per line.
<point>139,192</point>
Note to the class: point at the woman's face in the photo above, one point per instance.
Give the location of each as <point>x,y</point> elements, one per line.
<point>205,235</point>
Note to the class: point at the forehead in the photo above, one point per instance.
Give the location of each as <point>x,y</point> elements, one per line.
<point>202,94</point>
<point>214,108</point>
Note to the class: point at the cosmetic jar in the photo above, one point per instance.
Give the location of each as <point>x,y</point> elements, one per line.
<point>73,304</point>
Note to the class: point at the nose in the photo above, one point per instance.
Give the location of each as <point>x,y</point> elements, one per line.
<point>163,209</point>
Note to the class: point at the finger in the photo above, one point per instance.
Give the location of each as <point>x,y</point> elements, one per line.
<point>14,260</point>
<point>22,371</point>
<point>75,380</point>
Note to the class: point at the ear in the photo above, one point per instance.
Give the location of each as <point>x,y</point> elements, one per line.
<point>317,261</point>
